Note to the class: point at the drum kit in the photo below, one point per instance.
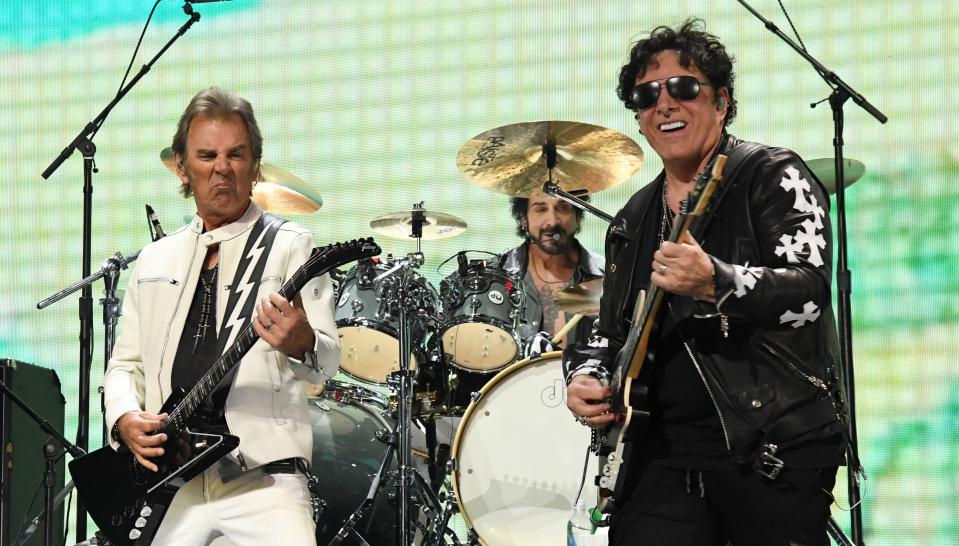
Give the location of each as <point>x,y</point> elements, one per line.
<point>413,355</point>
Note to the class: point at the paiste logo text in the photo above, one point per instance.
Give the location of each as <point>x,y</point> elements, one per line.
<point>488,152</point>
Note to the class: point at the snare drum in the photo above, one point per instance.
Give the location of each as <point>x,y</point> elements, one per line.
<point>519,457</point>
<point>483,306</point>
<point>367,318</point>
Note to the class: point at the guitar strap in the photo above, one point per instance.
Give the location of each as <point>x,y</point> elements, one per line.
<point>735,161</point>
<point>246,283</point>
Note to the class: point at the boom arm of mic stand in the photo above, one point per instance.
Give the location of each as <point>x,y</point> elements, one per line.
<point>551,188</point>
<point>94,125</point>
<point>826,74</point>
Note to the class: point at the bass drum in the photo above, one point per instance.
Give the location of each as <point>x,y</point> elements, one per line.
<point>519,457</point>
<point>347,422</point>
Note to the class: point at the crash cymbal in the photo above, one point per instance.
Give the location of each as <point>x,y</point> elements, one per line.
<point>825,170</point>
<point>436,225</point>
<point>580,298</point>
<point>511,159</point>
<point>276,190</point>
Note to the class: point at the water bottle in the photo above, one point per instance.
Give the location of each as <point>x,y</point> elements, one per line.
<point>579,529</point>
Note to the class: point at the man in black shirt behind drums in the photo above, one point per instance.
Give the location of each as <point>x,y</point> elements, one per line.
<point>549,260</point>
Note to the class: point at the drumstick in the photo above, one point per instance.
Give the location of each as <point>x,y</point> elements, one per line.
<point>565,330</point>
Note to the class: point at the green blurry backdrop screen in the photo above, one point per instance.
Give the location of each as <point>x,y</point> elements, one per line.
<point>369,102</point>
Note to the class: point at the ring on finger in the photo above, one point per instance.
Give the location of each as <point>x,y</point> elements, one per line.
<point>583,420</point>
<point>662,269</point>
<point>268,326</point>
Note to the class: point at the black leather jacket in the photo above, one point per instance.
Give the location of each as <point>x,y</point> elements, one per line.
<point>773,379</point>
<point>590,265</point>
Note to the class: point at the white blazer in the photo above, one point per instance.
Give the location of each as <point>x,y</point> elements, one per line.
<point>266,407</point>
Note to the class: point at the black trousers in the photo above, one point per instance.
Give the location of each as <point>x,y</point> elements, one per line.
<point>730,506</point>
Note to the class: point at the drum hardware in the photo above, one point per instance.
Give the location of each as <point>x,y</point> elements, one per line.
<point>517,159</point>
<point>824,169</point>
<point>402,269</point>
<point>431,225</point>
<point>276,190</point>
<point>510,159</point>
<point>580,298</point>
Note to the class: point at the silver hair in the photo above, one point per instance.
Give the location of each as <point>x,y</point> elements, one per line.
<point>215,102</point>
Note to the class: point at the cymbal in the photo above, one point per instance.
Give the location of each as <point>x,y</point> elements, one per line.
<point>580,298</point>
<point>511,159</point>
<point>276,189</point>
<point>825,170</point>
<point>436,225</point>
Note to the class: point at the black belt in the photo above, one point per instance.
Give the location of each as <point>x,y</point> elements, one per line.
<point>284,466</point>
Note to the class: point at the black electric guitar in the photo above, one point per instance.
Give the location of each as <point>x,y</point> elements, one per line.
<point>126,500</point>
<point>615,443</point>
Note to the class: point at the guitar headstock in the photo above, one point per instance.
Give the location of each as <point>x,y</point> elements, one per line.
<point>325,258</point>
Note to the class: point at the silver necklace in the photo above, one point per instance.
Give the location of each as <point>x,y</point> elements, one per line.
<point>666,223</point>
<point>206,307</point>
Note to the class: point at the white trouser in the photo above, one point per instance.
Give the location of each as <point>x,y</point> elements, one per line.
<point>254,509</point>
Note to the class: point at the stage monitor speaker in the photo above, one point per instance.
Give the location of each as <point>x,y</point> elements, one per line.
<point>22,473</point>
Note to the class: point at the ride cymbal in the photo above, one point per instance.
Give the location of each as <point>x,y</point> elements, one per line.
<point>825,170</point>
<point>512,159</point>
<point>436,225</point>
<point>580,298</point>
<point>276,190</point>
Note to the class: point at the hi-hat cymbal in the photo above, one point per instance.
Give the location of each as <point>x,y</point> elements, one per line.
<point>276,190</point>
<point>511,159</point>
<point>825,170</point>
<point>436,225</point>
<point>580,298</point>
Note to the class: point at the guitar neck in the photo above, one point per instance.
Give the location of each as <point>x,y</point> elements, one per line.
<point>245,340</point>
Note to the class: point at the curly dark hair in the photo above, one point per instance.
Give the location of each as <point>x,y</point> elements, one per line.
<point>519,206</point>
<point>695,47</point>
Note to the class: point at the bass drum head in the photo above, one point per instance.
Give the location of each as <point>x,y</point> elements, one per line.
<point>519,457</point>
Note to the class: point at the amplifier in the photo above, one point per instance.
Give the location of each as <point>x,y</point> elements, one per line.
<point>23,463</point>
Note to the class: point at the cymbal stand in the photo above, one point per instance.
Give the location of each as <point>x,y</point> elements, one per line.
<point>550,187</point>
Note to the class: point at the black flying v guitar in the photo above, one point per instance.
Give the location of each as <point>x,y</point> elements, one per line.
<point>615,443</point>
<point>126,500</point>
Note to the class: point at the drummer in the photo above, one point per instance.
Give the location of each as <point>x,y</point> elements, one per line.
<point>549,260</point>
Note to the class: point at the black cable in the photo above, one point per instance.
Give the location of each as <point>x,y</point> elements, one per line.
<point>133,58</point>
<point>796,32</point>
<point>582,481</point>
<point>66,518</point>
<point>798,37</point>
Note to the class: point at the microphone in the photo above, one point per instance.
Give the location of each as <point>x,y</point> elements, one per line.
<point>155,229</point>
<point>462,264</point>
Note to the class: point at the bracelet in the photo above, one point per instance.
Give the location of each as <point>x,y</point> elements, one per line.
<point>599,372</point>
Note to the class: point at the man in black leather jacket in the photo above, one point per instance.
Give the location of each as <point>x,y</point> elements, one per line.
<point>745,424</point>
<point>550,259</point>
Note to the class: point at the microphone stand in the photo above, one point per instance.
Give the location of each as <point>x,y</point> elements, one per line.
<point>552,188</point>
<point>841,92</point>
<point>53,450</point>
<point>84,143</point>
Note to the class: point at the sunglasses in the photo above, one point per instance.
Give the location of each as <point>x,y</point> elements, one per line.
<point>679,87</point>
